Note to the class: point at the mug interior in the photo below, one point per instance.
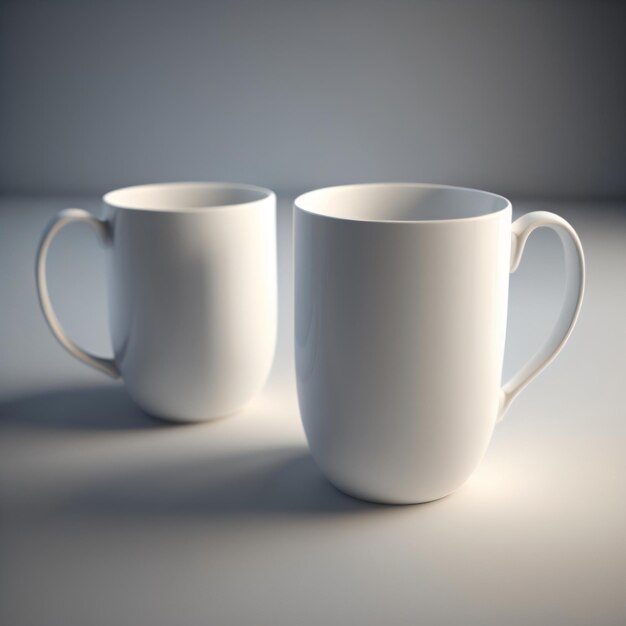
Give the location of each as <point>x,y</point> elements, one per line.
<point>401,202</point>
<point>185,196</point>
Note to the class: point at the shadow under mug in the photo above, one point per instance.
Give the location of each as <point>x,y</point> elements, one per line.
<point>401,295</point>
<point>192,284</point>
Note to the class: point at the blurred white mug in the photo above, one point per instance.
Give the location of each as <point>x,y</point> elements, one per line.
<point>192,294</point>
<point>401,295</point>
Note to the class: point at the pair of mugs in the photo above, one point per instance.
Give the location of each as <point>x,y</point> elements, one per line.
<point>401,295</point>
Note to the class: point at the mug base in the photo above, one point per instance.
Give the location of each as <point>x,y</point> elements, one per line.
<point>387,501</point>
<point>188,419</point>
<point>170,419</point>
<point>182,412</point>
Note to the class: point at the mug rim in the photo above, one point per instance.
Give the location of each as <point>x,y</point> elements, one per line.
<point>111,197</point>
<point>482,216</point>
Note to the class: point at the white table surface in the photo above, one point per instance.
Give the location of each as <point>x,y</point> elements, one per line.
<point>109,516</point>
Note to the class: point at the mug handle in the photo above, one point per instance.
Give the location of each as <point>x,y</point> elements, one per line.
<point>54,226</point>
<point>574,289</point>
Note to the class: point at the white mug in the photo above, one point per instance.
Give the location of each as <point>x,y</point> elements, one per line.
<point>192,294</point>
<point>401,295</point>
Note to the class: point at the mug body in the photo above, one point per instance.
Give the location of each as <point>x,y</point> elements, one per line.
<point>400,319</point>
<point>193,295</point>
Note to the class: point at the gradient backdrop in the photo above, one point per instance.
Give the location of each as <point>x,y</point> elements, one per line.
<point>522,97</point>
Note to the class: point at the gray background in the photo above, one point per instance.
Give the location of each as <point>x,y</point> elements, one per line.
<point>522,97</point>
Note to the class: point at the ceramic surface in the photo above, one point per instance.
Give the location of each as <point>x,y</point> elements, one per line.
<point>401,297</point>
<point>192,294</point>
